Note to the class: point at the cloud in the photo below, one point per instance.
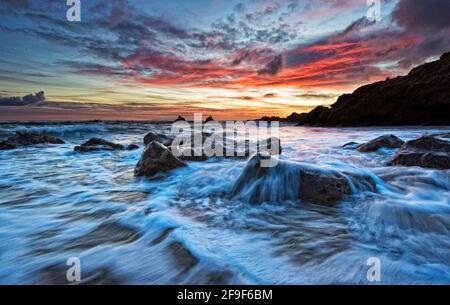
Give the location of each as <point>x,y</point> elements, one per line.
<point>422,16</point>
<point>273,67</point>
<point>23,101</point>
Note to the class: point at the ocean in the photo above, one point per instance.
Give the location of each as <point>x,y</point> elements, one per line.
<point>186,228</point>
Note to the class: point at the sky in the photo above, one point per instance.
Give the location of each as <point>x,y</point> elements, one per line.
<point>157,59</point>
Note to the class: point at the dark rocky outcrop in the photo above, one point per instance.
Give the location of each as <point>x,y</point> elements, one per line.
<point>386,141</point>
<point>350,145</point>
<point>23,138</point>
<point>427,151</point>
<point>97,144</point>
<point>159,137</point>
<point>179,118</point>
<point>156,158</point>
<point>420,98</point>
<point>209,119</point>
<point>293,181</point>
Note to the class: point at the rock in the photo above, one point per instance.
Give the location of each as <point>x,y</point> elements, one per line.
<point>350,145</point>
<point>426,151</point>
<point>132,147</point>
<point>189,155</point>
<point>293,181</point>
<point>326,189</point>
<point>159,137</point>
<point>180,118</point>
<point>97,144</point>
<point>209,119</point>
<point>23,138</point>
<point>420,98</point>
<point>156,158</point>
<point>386,141</point>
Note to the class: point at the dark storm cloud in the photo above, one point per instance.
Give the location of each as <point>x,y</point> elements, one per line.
<point>420,15</point>
<point>23,101</point>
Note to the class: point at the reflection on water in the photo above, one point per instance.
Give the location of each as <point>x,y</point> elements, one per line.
<point>185,228</point>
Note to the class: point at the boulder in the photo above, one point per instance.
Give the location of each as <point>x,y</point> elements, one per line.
<point>97,144</point>
<point>293,181</point>
<point>426,151</point>
<point>386,141</point>
<point>350,145</point>
<point>159,137</point>
<point>132,147</point>
<point>156,158</point>
<point>23,138</point>
<point>321,188</point>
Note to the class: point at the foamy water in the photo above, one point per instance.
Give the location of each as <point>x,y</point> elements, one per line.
<point>186,228</point>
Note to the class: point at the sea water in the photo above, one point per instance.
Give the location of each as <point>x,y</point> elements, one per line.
<point>185,228</point>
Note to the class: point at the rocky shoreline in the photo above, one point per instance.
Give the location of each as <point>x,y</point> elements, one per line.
<point>309,183</point>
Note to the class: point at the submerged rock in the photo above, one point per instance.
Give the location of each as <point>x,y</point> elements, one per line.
<point>350,145</point>
<point>97,144</point>
<point>132,147</point>
<point>159,137</point>
<point>156,158</point>
<point>23,138</point>
<point>292,181</point>
<point>426,151</point>
<point>386,141</point>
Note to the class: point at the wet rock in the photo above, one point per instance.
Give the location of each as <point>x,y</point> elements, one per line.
<point>293,181</point>
<point>156,158</point>
<point>107,233</point>
<point>326,189</point>
<point>350,145</point>
<point>22,138</point>
<point>132,147</point>
<point>427,151</point>
<point>97,144</point>
<point>159,137</point>
<point>386,141</point>
<point>189,155</point>
<point>183,257</point>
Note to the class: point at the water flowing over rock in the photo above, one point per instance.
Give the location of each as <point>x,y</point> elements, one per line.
<point>420,98</point>
<point>426,151</point>
<point>386,141</point>
<point>97,144</point>
<point>292,181</point>
<point>156,158</point>
<point>23,138</point>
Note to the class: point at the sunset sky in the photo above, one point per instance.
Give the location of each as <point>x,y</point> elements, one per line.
<point>156,59</point>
